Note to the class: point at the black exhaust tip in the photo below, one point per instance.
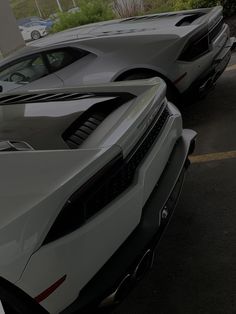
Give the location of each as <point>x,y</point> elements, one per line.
<point>144,265</point>
<point>120,292</point>
<point>126,284</point>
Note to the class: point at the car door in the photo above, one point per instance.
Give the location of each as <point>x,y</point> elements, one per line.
<point>27,73</point>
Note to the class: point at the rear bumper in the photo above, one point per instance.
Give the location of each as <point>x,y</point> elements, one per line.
<point>208,78</point>
<point>155,217</point>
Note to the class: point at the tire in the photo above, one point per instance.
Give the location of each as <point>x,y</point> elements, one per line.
<point>171,94</point>
<point>35,35</point>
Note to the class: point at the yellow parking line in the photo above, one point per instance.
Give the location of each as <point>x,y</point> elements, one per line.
<point>213,157</point>
<point>231,68</point>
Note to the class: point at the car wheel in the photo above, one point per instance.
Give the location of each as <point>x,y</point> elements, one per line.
<point>171,94</point>
<point>35,35</point>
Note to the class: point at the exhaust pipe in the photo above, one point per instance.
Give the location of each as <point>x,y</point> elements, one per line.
<point>119,293</point>
<point>144,265</point>
<point>129,280</point>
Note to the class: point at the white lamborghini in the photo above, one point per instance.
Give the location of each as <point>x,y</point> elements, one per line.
<point>89,179</point>
<point>188,49</point>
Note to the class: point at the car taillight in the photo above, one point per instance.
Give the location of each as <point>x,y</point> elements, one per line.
<point>106,184</point>
<point>96,193</point>
<point>195,49</point>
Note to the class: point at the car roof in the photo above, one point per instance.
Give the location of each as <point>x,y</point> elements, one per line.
<point>164,23</point>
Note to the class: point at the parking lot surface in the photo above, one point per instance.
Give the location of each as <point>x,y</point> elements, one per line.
<point>195,268</point>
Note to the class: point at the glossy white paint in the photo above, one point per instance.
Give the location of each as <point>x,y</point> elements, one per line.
<point>94,243</point>
<point>152,42</point>
<point>37,184</point>
<point>27,32</point>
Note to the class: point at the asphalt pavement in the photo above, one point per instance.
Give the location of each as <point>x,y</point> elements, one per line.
<point>195,268</point>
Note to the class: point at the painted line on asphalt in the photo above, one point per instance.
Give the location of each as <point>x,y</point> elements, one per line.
<point>213,157</point>
<point>231,68</point>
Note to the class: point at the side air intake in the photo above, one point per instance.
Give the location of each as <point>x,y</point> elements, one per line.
<point>88,122</point>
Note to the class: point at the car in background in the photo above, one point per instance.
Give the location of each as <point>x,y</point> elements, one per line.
<point>90,179</point>
<point>33,31</point>
<point>188,49</point>
<point>36,19</point>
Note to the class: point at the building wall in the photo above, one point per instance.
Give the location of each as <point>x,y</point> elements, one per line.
<point>10,36</point>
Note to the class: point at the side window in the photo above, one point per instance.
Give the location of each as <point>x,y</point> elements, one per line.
<point>59,59</point>
<point>25,71</point>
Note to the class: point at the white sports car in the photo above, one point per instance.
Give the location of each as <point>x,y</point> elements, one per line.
<point>33,31</point>
<point>188,49</point>
<point>90,178</point>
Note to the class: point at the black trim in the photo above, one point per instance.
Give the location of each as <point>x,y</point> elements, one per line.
<point>73,214</point>
<point>215,30</point>
<point>17,301</point>
<point>208,77</point>
<point>31,98</point>
<point>107,184</point>
<point>197,46</point>
<point>146,236</point>
<point>204,37</point>
<point>188,19</point>
<point>88,121</point>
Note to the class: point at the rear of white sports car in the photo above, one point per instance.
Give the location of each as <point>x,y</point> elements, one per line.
<point>91,178</point>
<point>206,50</point>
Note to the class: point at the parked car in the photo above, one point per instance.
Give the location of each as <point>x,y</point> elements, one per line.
<point>90,178</point>
<point>35,19</point>
<point>47,23</point>
<point>188,49</point>
<point>33,31</point>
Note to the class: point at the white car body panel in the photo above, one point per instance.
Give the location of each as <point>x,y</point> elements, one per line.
<point>152,42</point>
<point>44,179</point>
<point>84,263</point>
<point>27,31</point>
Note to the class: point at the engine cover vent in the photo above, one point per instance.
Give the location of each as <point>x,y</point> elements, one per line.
<point>7,146</point>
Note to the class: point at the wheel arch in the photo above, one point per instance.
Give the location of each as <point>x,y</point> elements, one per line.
<point>150,73</point>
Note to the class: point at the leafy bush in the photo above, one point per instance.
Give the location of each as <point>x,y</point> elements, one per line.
<point>228,5</point>
<point>90,12</point>
<point>101,10</point>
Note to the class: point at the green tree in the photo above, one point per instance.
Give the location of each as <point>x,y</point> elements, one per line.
<point>228,5</point>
